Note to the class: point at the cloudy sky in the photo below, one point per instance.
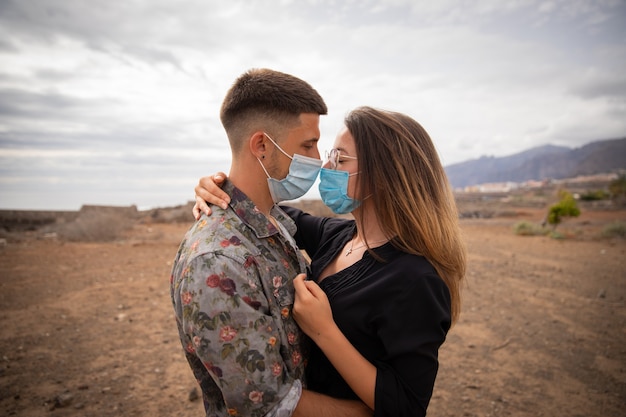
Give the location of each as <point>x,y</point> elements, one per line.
<point>116,102</point>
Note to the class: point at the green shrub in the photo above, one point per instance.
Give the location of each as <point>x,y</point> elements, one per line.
<point>566,207</point>
<point>615,229</point>
<point>525,228</point>
<point>557,235</point>
<point>617,187</point>
<point>595,195</point>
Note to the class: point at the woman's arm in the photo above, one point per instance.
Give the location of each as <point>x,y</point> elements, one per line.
<point>412,325</point>
<point>313,314</point>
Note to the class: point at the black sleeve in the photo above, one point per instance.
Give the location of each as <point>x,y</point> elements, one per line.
<point>313,231</point>
<point>413,328</point>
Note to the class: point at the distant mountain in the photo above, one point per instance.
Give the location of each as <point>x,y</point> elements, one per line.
<point>548,161</point>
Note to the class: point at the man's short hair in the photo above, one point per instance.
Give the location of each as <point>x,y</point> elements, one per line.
<point>266,99</point>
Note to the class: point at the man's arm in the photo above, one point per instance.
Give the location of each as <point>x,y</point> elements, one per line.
<point>313,404</point>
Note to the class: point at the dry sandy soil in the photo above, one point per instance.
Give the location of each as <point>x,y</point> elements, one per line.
<point>86,329</point>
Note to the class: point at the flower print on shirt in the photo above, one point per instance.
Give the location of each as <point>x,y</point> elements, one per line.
<point>233,293</point>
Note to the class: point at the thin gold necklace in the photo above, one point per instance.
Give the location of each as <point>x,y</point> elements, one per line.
<point>349,251</point>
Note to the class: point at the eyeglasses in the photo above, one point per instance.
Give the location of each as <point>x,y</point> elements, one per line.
<point>334,156</point>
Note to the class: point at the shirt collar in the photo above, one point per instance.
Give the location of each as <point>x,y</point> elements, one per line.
<point>251,216</point>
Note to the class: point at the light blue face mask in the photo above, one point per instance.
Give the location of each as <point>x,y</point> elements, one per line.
<point>334,191</point>
<point>302,174</point>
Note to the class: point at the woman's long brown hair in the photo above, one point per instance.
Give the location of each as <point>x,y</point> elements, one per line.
<point>410,192</point>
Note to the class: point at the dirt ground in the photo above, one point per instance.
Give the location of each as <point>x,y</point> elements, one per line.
<point>87,329</point>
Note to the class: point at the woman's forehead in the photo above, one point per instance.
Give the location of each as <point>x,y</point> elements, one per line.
<point>344,140</point>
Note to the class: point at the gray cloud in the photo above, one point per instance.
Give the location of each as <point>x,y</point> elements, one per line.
<point>117,102</point>
<point>597,84</point>
<point>41,106</point>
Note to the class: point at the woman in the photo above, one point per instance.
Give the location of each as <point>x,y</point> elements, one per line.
<point>391,276</point>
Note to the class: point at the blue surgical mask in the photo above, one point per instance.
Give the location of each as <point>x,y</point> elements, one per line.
<point>334,191</point>
<point>302,174</point>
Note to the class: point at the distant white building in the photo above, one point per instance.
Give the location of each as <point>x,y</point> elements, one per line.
<point>494,187</point>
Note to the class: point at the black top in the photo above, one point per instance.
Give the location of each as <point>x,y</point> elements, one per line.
<point>396,314</point>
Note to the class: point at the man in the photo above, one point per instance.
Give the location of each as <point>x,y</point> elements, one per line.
<point>231,283</point>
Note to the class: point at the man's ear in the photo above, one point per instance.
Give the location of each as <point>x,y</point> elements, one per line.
<point>258,144</point>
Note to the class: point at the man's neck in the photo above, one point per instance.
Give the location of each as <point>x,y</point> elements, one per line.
<point>252,181</point>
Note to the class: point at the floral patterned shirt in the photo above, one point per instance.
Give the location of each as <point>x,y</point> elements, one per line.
<point>232,290</point>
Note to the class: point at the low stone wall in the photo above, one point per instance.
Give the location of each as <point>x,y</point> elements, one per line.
<point>23,220</point>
